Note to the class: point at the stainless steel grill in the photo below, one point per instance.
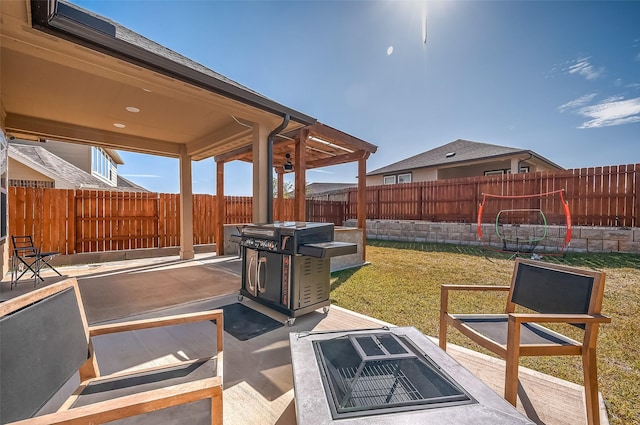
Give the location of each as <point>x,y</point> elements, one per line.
<point>286,265</point>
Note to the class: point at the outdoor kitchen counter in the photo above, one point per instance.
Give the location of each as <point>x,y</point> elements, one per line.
<point>351,235</point>
<point>312,405</point>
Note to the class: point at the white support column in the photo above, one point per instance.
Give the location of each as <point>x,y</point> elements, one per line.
<point>515,162</point>
<point>186,206</point>
<point>262,180</point>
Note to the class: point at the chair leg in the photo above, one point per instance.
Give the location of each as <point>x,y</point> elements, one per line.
<point>590,370</point>
<point>216,409</point>
<point>442,336</point>
<point>512,358</point>
<point>511,380</point>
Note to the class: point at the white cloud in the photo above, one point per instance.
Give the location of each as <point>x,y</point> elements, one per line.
<point>614,110</point>
<point>316,170</point>
<point>576,103</point>
<point>583,67</point>
<point>150,176</point>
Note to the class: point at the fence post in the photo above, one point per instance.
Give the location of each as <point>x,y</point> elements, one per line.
<point>636,185</point>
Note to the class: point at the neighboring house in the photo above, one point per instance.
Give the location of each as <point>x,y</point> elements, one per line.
<point>461,158</point>
<point>323,190</point>
<point>66,166</point>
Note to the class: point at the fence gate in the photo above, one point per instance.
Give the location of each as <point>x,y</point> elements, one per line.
<point>107,221</point>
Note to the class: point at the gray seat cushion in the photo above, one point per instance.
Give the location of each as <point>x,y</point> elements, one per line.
<point>494,327</point>
<point>198,412</point>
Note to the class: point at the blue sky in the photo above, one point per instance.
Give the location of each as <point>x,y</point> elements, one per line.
<point>559,78</point>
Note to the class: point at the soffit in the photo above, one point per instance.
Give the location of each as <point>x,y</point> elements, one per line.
<point>53,88</point>
<point>324,146</point>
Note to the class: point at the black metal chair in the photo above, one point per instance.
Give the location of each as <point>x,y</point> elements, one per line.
<point>27,257</point>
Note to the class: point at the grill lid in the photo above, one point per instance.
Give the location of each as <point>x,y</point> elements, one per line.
<point>367,374</point>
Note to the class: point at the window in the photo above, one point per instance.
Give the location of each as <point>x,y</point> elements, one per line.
<point>389,180</point>
<point>404,178</point>
<point>494,173</point>
<point>505,171</point>
<point>101,164</point>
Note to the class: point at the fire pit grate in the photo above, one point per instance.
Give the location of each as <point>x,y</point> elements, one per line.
<point>378,384</point>
<point>382,373</point>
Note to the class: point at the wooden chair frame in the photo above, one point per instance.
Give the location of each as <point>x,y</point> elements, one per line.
<point>136,404</point>
<point>514,347</point>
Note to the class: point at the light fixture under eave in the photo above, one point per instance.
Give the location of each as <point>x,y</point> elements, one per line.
<point>132,109</point>
<point>287,166</point>
<point>118,125</point>
<point>333,145</point>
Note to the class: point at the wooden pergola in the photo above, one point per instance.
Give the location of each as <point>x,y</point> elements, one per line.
<point>313,146</point>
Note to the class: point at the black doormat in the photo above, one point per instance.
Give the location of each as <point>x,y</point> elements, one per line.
<point>245,323</point>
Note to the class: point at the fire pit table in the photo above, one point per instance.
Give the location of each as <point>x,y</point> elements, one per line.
<point>388,376</point>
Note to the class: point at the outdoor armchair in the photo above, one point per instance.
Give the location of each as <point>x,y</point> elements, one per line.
<point>542,293</point>
<point>47,345</point>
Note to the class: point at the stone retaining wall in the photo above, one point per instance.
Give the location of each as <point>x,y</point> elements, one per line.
<point>584,239</point>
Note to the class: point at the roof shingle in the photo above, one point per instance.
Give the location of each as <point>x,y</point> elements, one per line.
<point>457,151</point>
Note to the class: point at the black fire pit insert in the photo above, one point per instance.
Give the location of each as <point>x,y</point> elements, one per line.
<point>358,370</point>
<point>377,373</point>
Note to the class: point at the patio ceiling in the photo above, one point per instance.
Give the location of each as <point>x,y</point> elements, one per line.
<point>324,146</point>
<point>64,77</point>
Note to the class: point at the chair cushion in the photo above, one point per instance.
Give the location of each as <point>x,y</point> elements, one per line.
<point>494,327</point>
<point>198,412</point>
<point>41,347</point>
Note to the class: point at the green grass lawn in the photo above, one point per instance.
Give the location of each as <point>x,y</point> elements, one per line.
<point>402,286</point>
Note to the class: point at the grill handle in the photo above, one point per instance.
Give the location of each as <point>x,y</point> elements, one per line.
<point>250,282</point>
<point>261,288</point>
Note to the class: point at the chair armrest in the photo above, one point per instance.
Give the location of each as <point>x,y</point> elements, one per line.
<point>215,315</point>
<point>444,294</point>
<point>132,405</point>
<point>558,318</point>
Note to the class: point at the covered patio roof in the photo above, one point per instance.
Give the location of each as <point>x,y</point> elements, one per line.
<point>69,74</point>
<point>325,146</point>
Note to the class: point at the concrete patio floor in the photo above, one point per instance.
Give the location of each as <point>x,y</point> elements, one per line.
<point>258,382</point>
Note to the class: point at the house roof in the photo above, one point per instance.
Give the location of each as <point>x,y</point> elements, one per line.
<point>54,167</point>
<point>315,189</point>
<point>458,151</point>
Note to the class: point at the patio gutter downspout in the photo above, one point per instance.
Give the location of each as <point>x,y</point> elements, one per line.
<point>282,126</point>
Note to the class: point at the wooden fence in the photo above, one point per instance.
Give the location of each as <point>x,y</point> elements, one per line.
<point>78,221</point>
<point>600,196</point>
<point>75,221</point>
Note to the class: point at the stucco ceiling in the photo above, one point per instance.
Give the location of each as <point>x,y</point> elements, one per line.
<point>57,89</point>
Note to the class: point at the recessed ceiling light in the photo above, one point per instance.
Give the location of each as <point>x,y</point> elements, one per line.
<point>147,90</point>
<point>118,125</point>
<point>132,109</point>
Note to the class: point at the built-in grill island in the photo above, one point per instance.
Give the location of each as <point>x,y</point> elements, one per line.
<point>393,376</point>
<point>286,265</point>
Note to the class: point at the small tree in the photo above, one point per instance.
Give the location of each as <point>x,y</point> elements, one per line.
<point>287,189</point>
